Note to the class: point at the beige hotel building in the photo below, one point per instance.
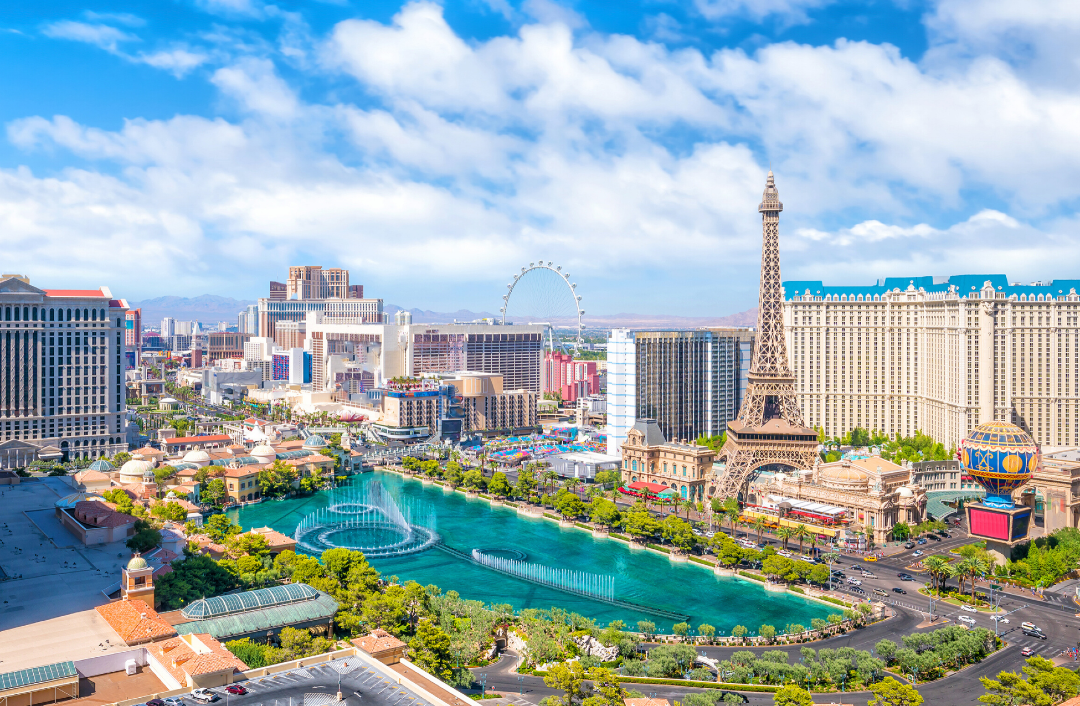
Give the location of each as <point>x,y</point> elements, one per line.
<point>937,354</point>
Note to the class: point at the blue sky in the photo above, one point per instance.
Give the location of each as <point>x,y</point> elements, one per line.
<point>202,146</point>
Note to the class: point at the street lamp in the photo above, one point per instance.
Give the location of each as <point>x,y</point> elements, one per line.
<point>483,685</point>
<point>521,685</point>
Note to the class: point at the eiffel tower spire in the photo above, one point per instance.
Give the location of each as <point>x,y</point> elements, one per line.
<point>769,430</point>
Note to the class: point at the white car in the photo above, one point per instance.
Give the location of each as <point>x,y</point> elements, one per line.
<point>786,555</point>
<point>854,581</point>
<point>204,695</point>
<point>968,609</point>
<point>916,553</point>
<point>967,620</point>
<point>1001,619</point>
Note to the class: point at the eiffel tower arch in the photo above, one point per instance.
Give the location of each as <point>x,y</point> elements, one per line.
<point>770,428</point>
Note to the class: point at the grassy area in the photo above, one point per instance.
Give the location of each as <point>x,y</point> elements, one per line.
<point>949,600</point>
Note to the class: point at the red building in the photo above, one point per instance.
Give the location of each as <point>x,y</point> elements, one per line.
<point>570,378</point>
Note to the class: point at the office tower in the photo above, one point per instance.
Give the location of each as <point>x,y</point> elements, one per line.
<point>279,291</point>
<point>313,282</point>
<point>168,327</point>
<point>62,388</point>
<point>938,354</point>
<point>770,429</point>
<point>570,378</point>
<point>133,337</point>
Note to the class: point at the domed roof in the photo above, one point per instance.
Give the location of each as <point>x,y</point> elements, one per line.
<point>264,450</point>
<point>101,465</point>
<point>906,492</point>
<point>135,467</point>
<point>844,475</point>
<point>68,501</point>
<point>137,562</point>
<point>196,456</point>
<point>314,442</point>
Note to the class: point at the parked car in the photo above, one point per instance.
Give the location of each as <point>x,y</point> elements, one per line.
<point>173,701</point>
<point>968,609</point>
<point>967,620</point>
<point>1027,652</point>
<point>155,702</point>
<point>204,696</point>
<point>236,689</point>
<point>899,590</point>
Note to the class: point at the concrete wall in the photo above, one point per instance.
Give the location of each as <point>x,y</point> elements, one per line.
<point>115,662</point>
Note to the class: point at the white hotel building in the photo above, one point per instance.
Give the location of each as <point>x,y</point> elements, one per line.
<point>937,354</point>
<point>62,367</point>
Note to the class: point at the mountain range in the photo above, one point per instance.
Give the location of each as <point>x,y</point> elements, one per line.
<point>211,308</point>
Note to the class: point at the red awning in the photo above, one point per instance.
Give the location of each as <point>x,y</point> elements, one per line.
<point>649,487</point>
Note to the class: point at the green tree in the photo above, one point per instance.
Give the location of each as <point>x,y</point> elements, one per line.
<point>646,628</point>
<point>819,574</point>
<point>569,506</point>
<point>219,528</point>
<point>681,629</point>
<point>145,537</point>
<point>277,480</point>
<point>706,631</point>
<point>901,531</point>
<point>498,485</point>
<point>570,678</point>
<point>526,482</point>
<point>604,512</point>
<point>1041,684</point>
<point>213,493</point>
<point>640,523</point>
<point>430,648</point>
<point>792,695</point>
<point>889,692</point>
<point>474,479</point>
<point>606,688</point>
<point>192,578</point>
<point>247,544</point>
<point>678,532</point>
<point>768,632</point>
<point>453,475</point>
<point>173,511</point>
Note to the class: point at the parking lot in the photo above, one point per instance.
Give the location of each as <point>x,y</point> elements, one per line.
<point>317,686</point>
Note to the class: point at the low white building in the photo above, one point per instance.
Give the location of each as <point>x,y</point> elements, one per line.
<point>583,465</point>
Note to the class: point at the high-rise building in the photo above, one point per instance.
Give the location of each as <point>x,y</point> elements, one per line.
<point>226,344</point>
<point>279,291</point>
<point>61,372</point>
<point>248,320</point>
<point>313,282</point>
<point>690,382</point>
<point>168,327</point>
<point>940,355</point>
<point>133,337</point>
<point>570,378</point>
<point>389,351</point>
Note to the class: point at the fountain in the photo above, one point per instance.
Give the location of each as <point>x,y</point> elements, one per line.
<point>578,582</point>
<point>368,520</point>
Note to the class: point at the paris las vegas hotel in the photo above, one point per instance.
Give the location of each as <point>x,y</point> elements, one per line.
<point>938,354</point>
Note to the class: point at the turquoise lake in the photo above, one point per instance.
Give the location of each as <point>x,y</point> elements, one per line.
<point>642,578</point>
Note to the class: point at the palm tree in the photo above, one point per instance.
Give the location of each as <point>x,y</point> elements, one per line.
<point>830,559</point>
<point>801,533</point>
<point>675,502</point>
<point>935,566</point>
<point>759,526</point>
<point>784,534</point>
<point>974,566</point>
<point>731,514</point>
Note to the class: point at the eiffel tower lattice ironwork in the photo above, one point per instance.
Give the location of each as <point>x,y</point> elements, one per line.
<point>770,427</point>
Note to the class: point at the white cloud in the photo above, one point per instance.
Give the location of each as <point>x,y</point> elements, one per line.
<point>178,62</point>
<point>124,18</point>
<point>790,10</point>
<point>256,86</point>
<point>232,8</point>
<point>100,35</point>
<point>618,157</point>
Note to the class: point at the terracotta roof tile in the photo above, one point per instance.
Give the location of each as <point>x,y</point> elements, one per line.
<point>193,655</point>
<point>378,642</point>
<point>198,439</point>
<point>98,514</point>
<point>135,622</point>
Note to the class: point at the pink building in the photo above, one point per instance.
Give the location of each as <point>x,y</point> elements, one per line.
<point>570,378</point>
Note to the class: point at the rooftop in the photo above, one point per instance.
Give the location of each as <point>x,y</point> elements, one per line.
<point>378,642</point>
<point>194,655</point>
<point>259,620</point>
<point>197,439</point>
<point>231,603</point>
<point>135,622</point>
<point>37,675</point>
<point>962,285</point>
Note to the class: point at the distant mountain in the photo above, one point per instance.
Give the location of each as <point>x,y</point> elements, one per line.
<point>743,318</point>
<point>207,308</point>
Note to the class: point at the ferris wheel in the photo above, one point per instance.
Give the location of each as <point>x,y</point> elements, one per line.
<point>543,294</point>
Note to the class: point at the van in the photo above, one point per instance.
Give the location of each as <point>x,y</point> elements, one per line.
<point>1030,627</point>
<point>967,620</point>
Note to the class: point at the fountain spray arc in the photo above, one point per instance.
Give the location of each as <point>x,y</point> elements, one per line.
<point>369,520</point>
<point>569,580</point>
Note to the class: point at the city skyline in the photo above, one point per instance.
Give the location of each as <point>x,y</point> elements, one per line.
<point>459,142</point>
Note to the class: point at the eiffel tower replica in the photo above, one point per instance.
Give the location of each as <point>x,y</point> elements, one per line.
<point>770,427</point>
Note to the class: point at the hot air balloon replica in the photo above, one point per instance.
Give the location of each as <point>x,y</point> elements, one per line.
<point>1000,457</point>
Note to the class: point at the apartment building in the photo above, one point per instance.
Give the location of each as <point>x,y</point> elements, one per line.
<point>937,354</point>
<point>62,388</point>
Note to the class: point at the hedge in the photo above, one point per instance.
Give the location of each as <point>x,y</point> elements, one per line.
<point>830,599</point>
<point>701,561</point>
<point>752,576</point>
<point>582,525</point>
<point>548,514</point>
<point>796,589</point>
<point>701,684</point>
<point>619,536</point>
<point>658,548</point>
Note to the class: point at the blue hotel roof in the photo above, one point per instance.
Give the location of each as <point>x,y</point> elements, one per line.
<point>965,284</point>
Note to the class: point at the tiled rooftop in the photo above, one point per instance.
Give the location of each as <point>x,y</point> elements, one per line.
<point>135,622</point>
